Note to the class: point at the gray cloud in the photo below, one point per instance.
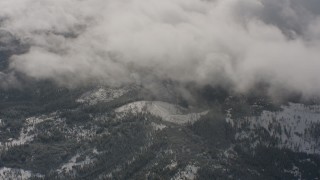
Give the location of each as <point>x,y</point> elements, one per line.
<point>238,42</point>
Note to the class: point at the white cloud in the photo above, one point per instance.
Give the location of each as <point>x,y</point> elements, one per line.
<point>206,42</point>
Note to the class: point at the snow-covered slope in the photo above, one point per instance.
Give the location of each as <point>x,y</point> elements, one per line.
<point>27,133</point>
<point>291,127</point>
<point>168,112</point>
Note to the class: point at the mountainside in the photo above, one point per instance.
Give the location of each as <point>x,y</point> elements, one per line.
<point>159,89</point>
<point>127,133</point>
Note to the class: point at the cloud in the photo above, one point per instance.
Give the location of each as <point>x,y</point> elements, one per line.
<point>234,42</point>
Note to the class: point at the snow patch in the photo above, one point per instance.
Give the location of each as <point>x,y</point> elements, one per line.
<point>101,95</point>
<point>72,163</point>
<point>173,165</point>
<point>229,117</point>
<point>295,171</point>
<point>11,173</point>
<point>95,151</point>
<point>80,133</point>
<point>158,127</point>
<point>189,173</point>
<point>1,123</point>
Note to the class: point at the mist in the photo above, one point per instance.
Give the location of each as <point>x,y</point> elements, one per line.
<point>233,43</point>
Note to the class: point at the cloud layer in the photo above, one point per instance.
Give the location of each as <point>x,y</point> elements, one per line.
<point>234,42</point>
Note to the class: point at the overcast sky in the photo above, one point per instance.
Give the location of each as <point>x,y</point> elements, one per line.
<point>241,42</point>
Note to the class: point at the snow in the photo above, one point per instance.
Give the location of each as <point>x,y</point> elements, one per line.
<point>168,151</point>
<point>27,133</point>
<point>1,123</point>
<point>11,173</point>
<point>95,151</point>
<point>295,171</point>
<point>173,165</point>
<point>189,173</point>
<point>289,126</point>
<point>134,107</point>
<point>68,167</point>
<point>101,95</point>
<point>230,153</point>
<point>168,112</point>
<point>158,127</point>
<point>229,117</point>
<point>80,133</point>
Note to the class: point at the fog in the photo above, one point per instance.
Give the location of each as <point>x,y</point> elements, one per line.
<point>234,43</point>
